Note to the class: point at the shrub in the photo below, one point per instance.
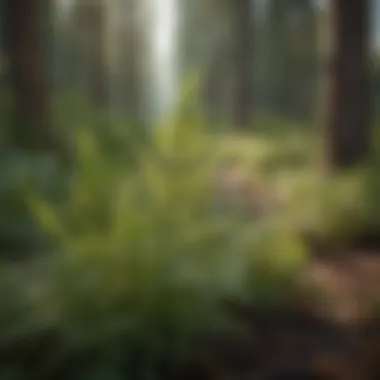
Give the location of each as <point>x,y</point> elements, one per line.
<point>145,265</point>
<point>335,209</point>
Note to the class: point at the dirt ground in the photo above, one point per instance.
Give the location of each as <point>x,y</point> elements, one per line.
<point>332,333</point>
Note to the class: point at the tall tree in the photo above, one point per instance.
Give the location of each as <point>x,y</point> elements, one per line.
<point>243,39</point>
<point>348,98</point>
<point>96,18</point>
<point>130,41</point>
<point>288,63</point>
<point>302,40</point>
<point>86,43</point>
<point>205,34</point>
<point>28,76</point>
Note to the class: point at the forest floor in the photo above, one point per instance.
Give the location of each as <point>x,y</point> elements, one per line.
<point>330,330</point>
<point>331,334</point>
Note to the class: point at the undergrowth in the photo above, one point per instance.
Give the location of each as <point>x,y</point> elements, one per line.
<point>143,265</point>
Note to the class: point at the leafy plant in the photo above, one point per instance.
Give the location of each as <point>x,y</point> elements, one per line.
<point>20,172</point>
<point>145,265</point>
<point>331,209</point>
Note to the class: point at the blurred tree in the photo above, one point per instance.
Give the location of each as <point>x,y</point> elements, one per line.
<point>287,44</point>
<point>96,22</point>
<point>104,44</point>
<point>217,40</point>
<point>24,23</point>
<point>74,50</point>
<point>85,39</point>
<point>130,44</point>
<point>218,62</point>
<point>274,58</point>
<point>216,91</point>
<point>348,98</point>
<point>243,40</point>
<point>303,58</point>
<point>205,48</point>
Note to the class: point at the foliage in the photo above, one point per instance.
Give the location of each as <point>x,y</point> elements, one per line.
<point>144,264</point>
<point>274,147</point>
<point>19,330</point>
<point>335,209</point>
<point>117,134</point>
<point>20,173</point>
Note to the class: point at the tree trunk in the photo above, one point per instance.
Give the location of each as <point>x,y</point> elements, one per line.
<point>97,24</point>
<point>348,99</point>
<point>303,55</point>
<point>31,95</point>
<point>130,58</point>
<point>243,97</point>
<point>276,62</point>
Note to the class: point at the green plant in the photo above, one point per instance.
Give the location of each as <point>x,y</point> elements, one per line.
<point>20,332</point>
<point>335,209</point>
<point>145,265</point>
<point>20,172</point>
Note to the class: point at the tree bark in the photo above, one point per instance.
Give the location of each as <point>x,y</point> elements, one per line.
<point>348,99</point>
<point>243,96</point>
<point>130,57</point>
<point>303,55</point>
<point>28,77</point>
<point>97,24</point>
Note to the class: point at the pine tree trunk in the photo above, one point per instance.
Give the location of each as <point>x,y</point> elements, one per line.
<point>243,96</point>
<point>28,76</point>
<point>130,60</point>
<point>348,99</point>
<point>97,24</point>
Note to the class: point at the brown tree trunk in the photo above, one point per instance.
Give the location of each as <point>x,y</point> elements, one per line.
<point>130,59</point>
<point>31,95</point>
<point>243,97</point>
<point>97,24</point>
<point>348,100</point>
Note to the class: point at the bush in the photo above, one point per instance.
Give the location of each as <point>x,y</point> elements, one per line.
<point>145,265</point>
<point>331,210</point>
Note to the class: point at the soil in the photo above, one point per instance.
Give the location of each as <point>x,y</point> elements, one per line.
<point>332,334</point>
